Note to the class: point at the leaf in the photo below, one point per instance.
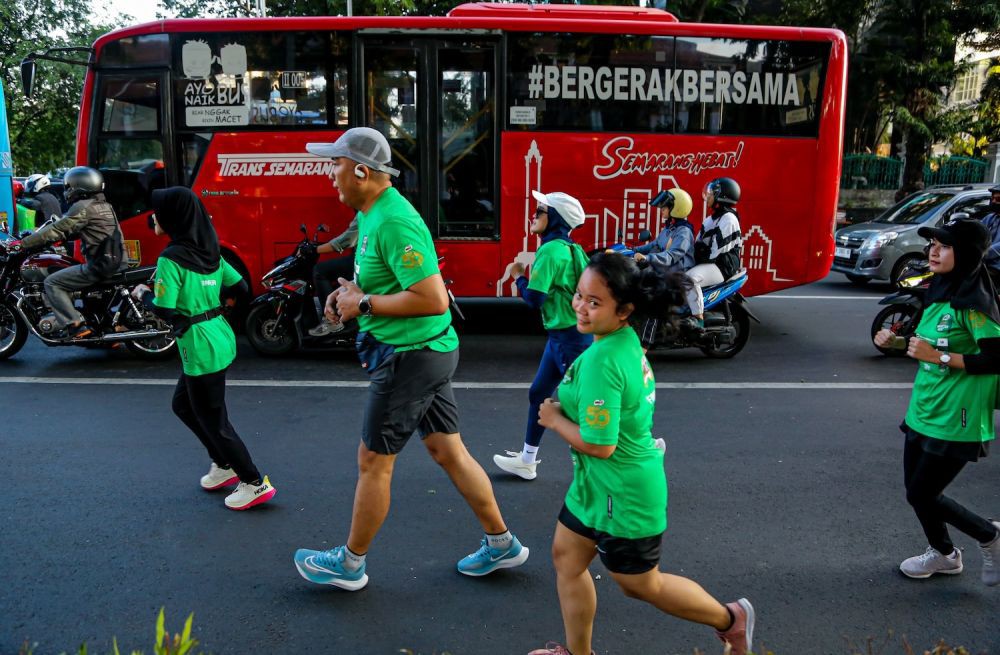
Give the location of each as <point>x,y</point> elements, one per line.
<point>160,631</point>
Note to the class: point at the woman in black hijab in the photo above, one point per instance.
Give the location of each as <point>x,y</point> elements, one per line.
<point>950,418</point>
<point>189,277</point>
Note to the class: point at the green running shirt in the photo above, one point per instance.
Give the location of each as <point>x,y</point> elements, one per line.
<point>556,271</point>
<point>394,252</point>
<point>609,391</point>
<point>948,403</point>
<point>209,346</point>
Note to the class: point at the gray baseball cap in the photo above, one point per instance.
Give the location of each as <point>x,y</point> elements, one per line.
<point>362,144</point>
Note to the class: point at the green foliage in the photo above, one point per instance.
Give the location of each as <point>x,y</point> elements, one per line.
<point>42,128</point>
<point>165,644</point>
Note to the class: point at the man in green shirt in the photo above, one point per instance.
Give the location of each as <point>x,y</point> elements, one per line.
<point>410,351</point>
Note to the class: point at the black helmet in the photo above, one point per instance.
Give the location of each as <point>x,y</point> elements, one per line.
<point>725,190</point>
<point>82,182</point>
<point>663,199</point>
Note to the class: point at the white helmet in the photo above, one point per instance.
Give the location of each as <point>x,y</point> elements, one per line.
<point>36,183</point>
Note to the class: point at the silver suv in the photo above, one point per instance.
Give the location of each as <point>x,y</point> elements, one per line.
<point>880,249</point>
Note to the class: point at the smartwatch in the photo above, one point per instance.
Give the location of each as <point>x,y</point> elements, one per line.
<point>365,305</point>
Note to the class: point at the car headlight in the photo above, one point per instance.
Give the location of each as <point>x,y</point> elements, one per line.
<point>879,240</point>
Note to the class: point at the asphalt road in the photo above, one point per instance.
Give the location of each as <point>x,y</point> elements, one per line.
<point>785,486</point>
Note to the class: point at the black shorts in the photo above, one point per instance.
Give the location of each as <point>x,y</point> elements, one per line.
<point>411,392</point>
<point>619,555</point>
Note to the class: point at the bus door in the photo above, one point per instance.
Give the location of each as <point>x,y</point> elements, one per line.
<point>8,211</point>
<point>435,100</point>
<point>130,133</point>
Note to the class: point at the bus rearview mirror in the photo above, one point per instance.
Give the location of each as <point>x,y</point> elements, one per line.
<point>27,76</point>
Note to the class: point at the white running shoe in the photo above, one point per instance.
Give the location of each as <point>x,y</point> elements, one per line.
<point>931,562</point>
<point>216,478</point>
<point>991,560</point>
<point>247,495</point>
<point>513,463</point>
<point>326,327</point>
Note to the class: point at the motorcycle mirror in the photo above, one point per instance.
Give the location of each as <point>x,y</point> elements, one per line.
<point>645,236</point>
<point>302,229</point>
<point>322,228</point>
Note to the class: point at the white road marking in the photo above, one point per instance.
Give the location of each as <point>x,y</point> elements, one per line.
<point>361,384</point>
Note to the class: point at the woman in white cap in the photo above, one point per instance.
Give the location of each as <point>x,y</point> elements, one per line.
<point>558,265</point>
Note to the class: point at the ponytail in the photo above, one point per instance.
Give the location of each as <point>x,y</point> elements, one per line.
<point>652,295</point>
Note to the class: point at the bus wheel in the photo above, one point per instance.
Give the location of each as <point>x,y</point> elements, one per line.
<point>235,310</point>
<point>269,334</point>
<point>13,331</point>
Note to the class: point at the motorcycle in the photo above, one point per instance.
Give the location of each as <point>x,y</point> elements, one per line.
<point>279,320</point>
<point>107,307</point>
<point>905,307</point>
<point>727,317</point>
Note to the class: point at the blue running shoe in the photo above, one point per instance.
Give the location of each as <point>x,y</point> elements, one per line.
<point>487,560</point>
<point>327,567</point>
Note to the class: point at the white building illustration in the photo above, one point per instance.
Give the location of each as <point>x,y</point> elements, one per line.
<point>610,227</point>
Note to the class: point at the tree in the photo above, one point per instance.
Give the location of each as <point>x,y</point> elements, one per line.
<point>917,39</point>
<point>42,127</point>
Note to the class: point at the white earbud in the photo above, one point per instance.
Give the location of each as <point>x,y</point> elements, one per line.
<point>360,172</point>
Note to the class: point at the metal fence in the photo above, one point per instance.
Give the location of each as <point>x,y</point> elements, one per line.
<point>874,172</point>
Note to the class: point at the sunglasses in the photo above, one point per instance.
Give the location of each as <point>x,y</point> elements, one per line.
<point>541,212</point>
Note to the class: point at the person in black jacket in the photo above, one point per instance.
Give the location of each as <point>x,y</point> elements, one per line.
<point>91,218</point>
<point>38,197</point>
<point>717,248</point>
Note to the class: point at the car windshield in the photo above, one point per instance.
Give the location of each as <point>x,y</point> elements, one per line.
<point>914,209</point>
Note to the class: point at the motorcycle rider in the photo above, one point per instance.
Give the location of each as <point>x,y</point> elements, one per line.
<point>91,218</point>
<point>991,219</point>
<point>38,196</point>
<point>25,216</point>
<point>673,249</point>
<point>326,273</point>
<point>717,248</point>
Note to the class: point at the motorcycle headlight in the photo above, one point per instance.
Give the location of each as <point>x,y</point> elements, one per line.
<point>879,240</point>
<point>914,280</point>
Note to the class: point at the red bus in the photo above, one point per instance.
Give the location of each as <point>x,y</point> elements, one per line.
<point>609,104</point>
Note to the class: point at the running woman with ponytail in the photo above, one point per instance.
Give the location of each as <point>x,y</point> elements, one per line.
<point>557,268</point>
<point>616,505</point>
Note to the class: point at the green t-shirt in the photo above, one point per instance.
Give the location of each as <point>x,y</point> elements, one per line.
<point>25,218</point>
<point>557,268</point>
<point>609,391</point>
<point>949,403</point>
<point>394,252</point>
<point>209,346</point>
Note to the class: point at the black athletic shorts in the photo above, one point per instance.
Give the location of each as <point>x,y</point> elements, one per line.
<point>619,555</point>
<point>410,392</point>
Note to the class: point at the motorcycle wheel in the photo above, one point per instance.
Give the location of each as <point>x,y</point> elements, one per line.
<point>741,321</point>
<point>899,319</point>
<point>13,332</point>
<point>153,348</point>
<point>269,335</point>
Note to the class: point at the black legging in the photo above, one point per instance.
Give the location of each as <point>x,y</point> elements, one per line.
<point>926,477</point>
<point>200,402</point>
<point>326,273</point>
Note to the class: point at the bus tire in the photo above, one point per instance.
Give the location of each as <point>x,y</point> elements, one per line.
<point>236,312</point>
<point>269,335</point>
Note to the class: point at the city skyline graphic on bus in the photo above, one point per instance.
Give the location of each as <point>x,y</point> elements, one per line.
<point>608,227</point>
